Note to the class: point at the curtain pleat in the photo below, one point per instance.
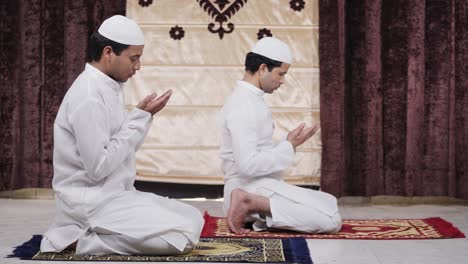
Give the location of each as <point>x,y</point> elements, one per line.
<point>393,115</point>
<point>43,47</point>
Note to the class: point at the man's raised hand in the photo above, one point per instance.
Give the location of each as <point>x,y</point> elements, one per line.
<point>301,134</point>
<point>142,105</point>
<point>152,104</point>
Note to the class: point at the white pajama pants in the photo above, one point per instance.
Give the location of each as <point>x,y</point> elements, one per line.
<point>290,215</point>
<point>291,207</point>
<point>130,223</point>
<point>93,243</point>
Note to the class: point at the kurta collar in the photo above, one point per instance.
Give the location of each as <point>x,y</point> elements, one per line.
<point>103,77</point>
<point>252,88</point>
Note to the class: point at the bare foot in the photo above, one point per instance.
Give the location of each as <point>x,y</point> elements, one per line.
<point>239,209</point>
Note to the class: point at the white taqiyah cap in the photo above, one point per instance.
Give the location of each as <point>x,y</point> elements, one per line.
<point>122,30</point>
<point>274,49</point>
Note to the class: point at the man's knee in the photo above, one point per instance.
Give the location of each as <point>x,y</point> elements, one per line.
<point>194,223</point>
<point>188,234</point>
<point>334,225</point>
<point>322,223</point>
<point>189,246</point>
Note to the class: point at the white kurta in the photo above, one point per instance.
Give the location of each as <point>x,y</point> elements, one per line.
<point>95,140</point>
<point>253,162</point>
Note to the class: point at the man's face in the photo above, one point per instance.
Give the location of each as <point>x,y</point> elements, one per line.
<point>270,81</point>
<point>124,66</point>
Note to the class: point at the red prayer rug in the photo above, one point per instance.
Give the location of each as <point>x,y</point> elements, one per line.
<point>378,229</point>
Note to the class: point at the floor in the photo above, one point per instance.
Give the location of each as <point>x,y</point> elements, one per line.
<point>22,218</point>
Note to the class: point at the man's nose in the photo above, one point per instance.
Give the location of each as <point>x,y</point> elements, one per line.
<point>137,65</point>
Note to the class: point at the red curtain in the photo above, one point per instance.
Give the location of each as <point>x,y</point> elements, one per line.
<point>43,47</point>
<point>394,97</point>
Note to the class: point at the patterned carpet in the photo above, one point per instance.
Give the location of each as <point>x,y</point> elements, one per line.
<point>253,250</point>
<point>383,229</point>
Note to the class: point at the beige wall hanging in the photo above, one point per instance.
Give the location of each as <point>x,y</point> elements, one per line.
<point>197,48</point>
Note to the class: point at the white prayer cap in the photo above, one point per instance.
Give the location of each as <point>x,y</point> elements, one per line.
<point>122,30</point>
<point>274,49</point>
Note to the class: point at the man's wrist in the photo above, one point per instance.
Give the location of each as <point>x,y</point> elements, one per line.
<point>292,145</point>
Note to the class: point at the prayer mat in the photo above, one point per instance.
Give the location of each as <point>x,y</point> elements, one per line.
<point>252,250</point>
<point>378,229</point>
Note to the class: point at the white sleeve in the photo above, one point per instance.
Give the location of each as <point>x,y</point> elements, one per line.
<point>102,153</point>
<point>147,128</point>
<point>251,161</point>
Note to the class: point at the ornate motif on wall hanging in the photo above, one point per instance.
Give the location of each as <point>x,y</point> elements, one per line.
<point>264,32</point>
<point>145,3</point>
<point>297,5</point>
<point>177,32</point>
<point>220,14</point>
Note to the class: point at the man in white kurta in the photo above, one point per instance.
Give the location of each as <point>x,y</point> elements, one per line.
<point>95,139</point>
<point>252,163</point>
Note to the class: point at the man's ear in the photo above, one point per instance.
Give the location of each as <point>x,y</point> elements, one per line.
<point>107,52</point>
<point>262,68</point>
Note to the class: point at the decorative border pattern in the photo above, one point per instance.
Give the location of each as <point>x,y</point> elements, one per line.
<point>177,33</point>
<point>297,5</point>
<point>264,32</point>
<point>221,16</point>
<point>145,3</point>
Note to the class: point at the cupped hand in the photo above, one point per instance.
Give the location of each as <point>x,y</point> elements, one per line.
<point>154,104</point>
<point>301,134</point>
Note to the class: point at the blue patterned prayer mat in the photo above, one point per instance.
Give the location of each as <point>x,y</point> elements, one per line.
<point>253,250</point>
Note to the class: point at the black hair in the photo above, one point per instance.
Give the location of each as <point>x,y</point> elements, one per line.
<point>97,43</point>
<point>254,60</point>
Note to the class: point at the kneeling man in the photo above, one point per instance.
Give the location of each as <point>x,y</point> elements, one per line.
<point>95,140</point>
<point>252,163</point>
